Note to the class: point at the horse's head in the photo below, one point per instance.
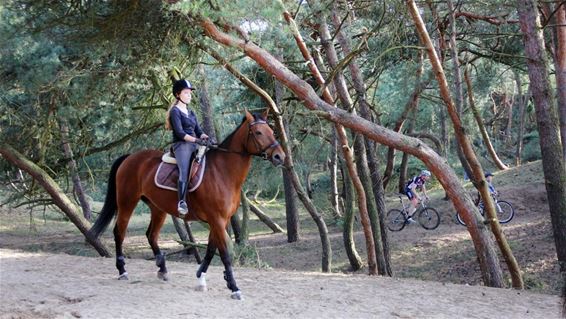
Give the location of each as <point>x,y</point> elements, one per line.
<point>261,140</point>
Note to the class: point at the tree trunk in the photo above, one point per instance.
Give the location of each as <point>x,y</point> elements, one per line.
<point>489,265</point>
<point>289,166</point>
<point>291,205</point>
<point>245,206</point>
<point>485,136</point>
<point>348,233</point>
<point>470,157</point>
<point>523,100</point>
<point>77,185</point>
<point>560,68</point>
<point>548,124</point>
<point>333,168</point>
<point>263,216</point>
<point>57,195</point>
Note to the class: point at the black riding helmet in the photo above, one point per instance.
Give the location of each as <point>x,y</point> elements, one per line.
<point>180,85</point>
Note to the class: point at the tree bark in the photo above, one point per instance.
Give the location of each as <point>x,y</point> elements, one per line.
<point>468,152</point>
<point>485,136</point>
<point>263,216</point>
<point>489,265</point>
<point>57,195</point>
<point>560,68</point>
<point>548,124</point>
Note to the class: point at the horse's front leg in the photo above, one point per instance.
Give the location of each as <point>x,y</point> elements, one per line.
<point>229,273</point>
<point>201,272</point>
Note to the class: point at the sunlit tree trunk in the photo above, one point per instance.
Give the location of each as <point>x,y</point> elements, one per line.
<point>548,124</point>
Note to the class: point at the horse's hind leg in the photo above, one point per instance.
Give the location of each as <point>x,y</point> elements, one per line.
<point>125,211</point>
<point>157,219</point>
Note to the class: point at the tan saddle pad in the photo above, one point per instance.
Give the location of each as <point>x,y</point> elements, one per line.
<point>167,174</point>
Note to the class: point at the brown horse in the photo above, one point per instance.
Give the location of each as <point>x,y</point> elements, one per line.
<point>214,202</point>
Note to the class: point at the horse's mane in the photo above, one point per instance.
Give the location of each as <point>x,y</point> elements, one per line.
<point>226,142</point>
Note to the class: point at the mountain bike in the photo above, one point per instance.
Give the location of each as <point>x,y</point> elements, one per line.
<point>505,211</point>
<point>427,217</point>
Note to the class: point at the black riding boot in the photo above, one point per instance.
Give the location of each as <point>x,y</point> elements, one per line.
<point>182,205</point>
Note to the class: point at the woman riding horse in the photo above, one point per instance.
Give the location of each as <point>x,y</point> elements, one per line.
<point>214,202</point>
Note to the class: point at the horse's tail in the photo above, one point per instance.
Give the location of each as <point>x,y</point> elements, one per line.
<point>110,205</point>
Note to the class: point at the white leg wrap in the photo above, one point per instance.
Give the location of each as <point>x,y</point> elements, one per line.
<point>202,280</point>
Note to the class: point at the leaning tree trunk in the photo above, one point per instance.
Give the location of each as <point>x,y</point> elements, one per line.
<point>466,148</point>
<point>485,136</point>
<point>289,165</point>
<point>59,198</point>
<point>464,205</point>
<point>359,145</point>
<point>553,162</point>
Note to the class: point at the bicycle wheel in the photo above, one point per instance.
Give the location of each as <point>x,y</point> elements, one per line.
<point>505,211</point>
<point>460,220</point>
<point>429,218</point>
<point>395,220</point>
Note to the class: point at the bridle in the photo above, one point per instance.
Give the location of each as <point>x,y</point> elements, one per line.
<point>263,153</point>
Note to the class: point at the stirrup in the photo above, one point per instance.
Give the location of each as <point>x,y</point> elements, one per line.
<point>182,208</point>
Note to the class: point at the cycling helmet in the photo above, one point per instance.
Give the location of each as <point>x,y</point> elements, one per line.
<point>488,174</point>
<point>180,85</point>
<point>424,172</point>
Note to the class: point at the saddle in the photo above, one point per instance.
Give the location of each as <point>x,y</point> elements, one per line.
<point>167,173</point>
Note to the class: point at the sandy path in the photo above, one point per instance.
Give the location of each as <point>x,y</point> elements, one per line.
<point>39,285</point>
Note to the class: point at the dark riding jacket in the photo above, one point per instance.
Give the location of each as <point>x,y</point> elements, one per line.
<point>183,125</point>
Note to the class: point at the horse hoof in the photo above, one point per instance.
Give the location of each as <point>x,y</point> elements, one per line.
<point>163,276</point>
<point>123,276</point>
<point>201,288</point>
<point>237,295</point>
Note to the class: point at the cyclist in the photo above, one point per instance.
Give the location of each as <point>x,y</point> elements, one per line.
<point>415,184</point>
<point>492,191</point>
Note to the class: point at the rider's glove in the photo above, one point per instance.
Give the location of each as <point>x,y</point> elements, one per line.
<point>201,142</point>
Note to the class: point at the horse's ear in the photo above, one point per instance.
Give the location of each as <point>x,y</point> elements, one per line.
<point>265,114</point>
<point>249,116</point>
